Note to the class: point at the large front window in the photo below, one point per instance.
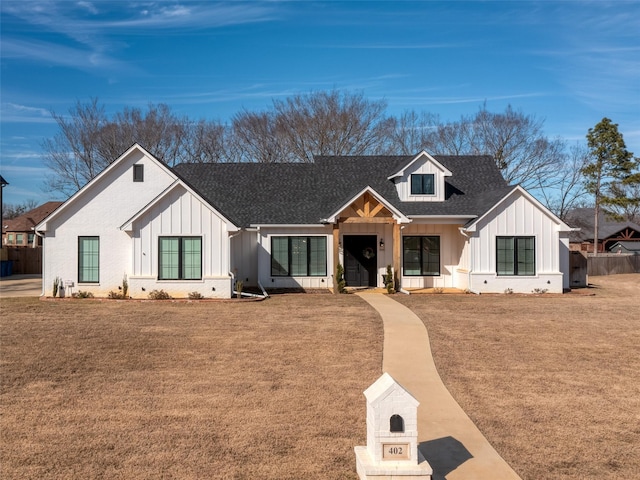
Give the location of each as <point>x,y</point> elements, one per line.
<point>298,256</point>
<point>180,258</point>
<point>88,259</point>
<point>421,256</point>
<point>515,256</point>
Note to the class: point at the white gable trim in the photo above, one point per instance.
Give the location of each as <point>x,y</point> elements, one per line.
<point>422,156</point>
<point>42,226</point>
<point>128,225</point>
<point>562,227</point>
<point>397,214</point>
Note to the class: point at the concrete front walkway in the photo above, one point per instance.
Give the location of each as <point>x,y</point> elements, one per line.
<point>449,440</point>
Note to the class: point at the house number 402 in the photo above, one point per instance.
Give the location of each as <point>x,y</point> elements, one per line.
<point>395,451</point>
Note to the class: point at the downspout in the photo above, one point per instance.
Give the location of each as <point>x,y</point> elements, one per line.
<point>470,269</point>
<point>231,274</point>
<point>43,262</point>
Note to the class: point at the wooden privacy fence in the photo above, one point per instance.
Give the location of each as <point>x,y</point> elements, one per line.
<point>25,260</point>
<point>611,264</point>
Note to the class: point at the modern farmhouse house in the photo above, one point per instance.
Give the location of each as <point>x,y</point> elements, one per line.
<point>439,221</point>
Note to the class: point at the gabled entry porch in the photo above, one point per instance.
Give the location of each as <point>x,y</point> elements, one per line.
<point>366,238</point>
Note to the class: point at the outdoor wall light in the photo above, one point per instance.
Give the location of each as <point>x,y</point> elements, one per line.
<point>381,243</point>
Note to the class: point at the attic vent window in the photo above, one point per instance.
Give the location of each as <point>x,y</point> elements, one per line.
<point>422,184</point>
<point>138,173</point>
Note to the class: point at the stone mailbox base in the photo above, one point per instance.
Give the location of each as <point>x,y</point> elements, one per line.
<point>368,470</point>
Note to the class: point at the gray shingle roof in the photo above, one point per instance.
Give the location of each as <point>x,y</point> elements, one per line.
<point>305,193</point>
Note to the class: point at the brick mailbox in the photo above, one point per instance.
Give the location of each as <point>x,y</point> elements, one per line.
<point>392,435</point>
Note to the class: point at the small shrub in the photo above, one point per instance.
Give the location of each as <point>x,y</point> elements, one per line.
<point>388,280</point>
<point>116,295</point>
<point>342,284</point>
<point>539,290</point>
<point>508,291</point>
<point>159,295</point>
<point>83,294</point>
<point>195,296</point>
<point>239,286</point>
<point>438,290</point>
<point>56,284</point>
<point>125,287</point>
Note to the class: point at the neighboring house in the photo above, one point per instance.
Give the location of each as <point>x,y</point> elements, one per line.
<point>20,231</point>
<point>610,231</point>
<point>439,221</point>
<point>630,248</point>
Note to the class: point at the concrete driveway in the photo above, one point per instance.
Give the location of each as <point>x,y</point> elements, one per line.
<point>21,286</point>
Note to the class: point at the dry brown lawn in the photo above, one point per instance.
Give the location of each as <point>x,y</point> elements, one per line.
<point>244,390</point>
<point>552,381</point>
<point>273,390</point>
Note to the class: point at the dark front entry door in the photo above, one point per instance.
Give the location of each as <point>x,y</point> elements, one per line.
<point>360,260</point>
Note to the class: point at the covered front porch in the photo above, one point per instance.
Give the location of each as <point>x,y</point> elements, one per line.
<point>369,235</point>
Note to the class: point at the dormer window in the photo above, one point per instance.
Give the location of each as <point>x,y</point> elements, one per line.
<point>422,184</point>
<point>138,173</point>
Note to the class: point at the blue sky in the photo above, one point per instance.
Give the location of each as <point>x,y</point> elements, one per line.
<point>570,63</point>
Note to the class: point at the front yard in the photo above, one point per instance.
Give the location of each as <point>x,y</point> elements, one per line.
<point>273,389</point>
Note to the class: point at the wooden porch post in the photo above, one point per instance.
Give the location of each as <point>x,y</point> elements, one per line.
<point>336,242</point>
<point>396,255</point>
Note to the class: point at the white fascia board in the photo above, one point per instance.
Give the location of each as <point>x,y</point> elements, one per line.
<point>128,225</point>
<point>42,226</point>
<point>443,219</point>
<point>562,226</point>
<point>421,156</point>
<point>287,225</point>
<point>397,214</point>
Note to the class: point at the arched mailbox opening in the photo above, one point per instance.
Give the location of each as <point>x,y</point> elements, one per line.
<point>396,424</point>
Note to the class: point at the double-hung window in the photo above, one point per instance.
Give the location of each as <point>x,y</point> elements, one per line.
<point>180,258</point>
<point>298,256</point>
<point>421,255</point>
<point>423,184</point>
<point>88,259</point>
<point>515,256</point>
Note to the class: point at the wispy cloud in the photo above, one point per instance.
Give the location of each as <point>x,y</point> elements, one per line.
<point>94,28</point>
<point>14,113</point>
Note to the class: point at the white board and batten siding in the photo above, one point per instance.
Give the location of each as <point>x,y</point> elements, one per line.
<point>403,183</point>
<point>451,248</point>
<point>180,213</point>
<point>268,281</point>
<point>519,217</point>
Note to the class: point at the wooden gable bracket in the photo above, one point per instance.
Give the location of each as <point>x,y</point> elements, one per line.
<point>367,206</point>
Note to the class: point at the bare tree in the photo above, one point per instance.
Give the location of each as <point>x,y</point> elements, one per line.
<point>567,192</point>
<point>456,138</point>
<point>411,133</point>
<point>11,210</point>
<point>72,154</point>
<point>517,143</point>
<point>256,138</point>
<point>88,141</point>
<point>206,142</point>
<point>330,123</point>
